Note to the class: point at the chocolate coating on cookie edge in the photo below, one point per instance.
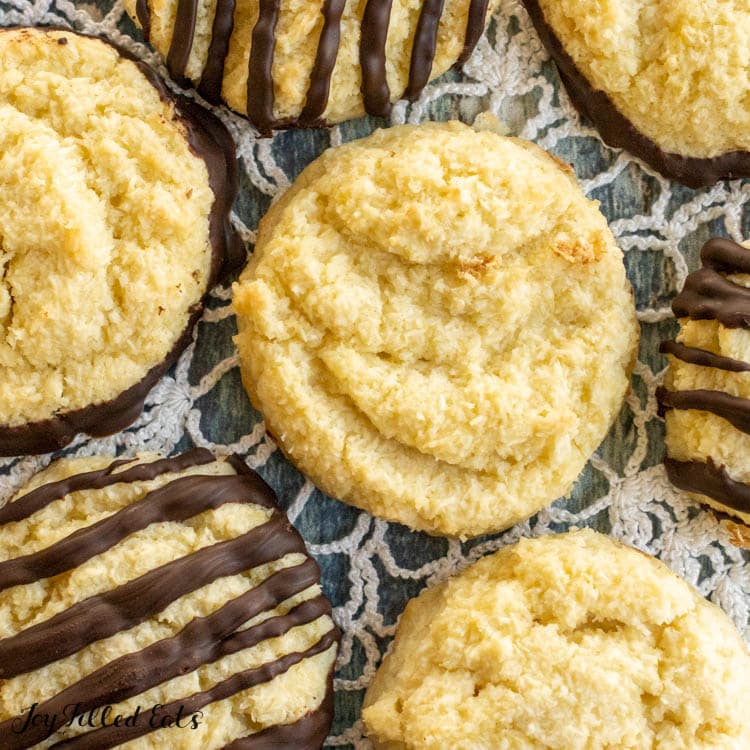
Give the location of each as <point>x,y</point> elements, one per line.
<point>203,640</point>
<point>618,132</point>
<point>210,141</point>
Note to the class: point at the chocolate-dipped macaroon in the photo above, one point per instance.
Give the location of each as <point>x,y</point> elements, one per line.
<point>309,62</point>
<point>706,396</point>
<point>666,80</point>
<point>114,223</point>
<point>163,600</point>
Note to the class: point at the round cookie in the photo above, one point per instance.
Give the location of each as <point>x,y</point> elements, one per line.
<point>172,593</point>
<point>706,396</point>
<point>668,80</point>
<point>114,222</point>
<point>570,642</point>
<point>437,327</point>
<point>310,62</point>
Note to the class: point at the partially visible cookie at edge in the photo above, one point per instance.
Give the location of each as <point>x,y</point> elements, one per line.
<point>706,394</point>
<point>114,223</point>
<point>437,327</point>
<point>666,80</point>
<point>311,62</point>
<point>170,592</point>
<point>569,642</point>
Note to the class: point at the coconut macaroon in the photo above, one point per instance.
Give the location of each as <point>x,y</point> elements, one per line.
<point>570,642</point>
<point>706,394</point>
<point>114,203</point>
<point>171,593</point>
<point>667,79</point>
<point>311,61</point>
<point>437,327</point>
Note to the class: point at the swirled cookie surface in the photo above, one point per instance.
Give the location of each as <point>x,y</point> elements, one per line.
<point>437,327</point>
<point>568,642</point>
<point>104,225</point>
<point>172,593</point>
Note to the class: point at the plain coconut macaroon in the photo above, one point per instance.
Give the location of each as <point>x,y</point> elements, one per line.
<point>170,592</point>
<point>114,223</point>
<point>668,80</point>
<point>437,327</point>
<point>309,62</point>
<point>569,642</point>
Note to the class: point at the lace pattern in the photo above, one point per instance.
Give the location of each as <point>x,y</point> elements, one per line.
<point>372,568</point>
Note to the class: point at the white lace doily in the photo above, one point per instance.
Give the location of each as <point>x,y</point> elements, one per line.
<point>372,568</point>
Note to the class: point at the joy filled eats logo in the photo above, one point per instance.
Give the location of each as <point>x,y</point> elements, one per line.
<point>156,717</point>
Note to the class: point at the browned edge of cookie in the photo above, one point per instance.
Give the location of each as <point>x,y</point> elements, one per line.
<point>617,131</point>
<point>209,140</point>
<point>202,640</point>
<point>709,295</point>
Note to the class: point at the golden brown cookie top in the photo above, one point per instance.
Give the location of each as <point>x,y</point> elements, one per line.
<point>569,642</point>
<point>113,213</point>
<point>437,327</point>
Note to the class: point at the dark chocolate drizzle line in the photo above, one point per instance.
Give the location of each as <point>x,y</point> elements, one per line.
<point>734,409</point>
<point>211,142</point>
<point>702,357</point>
<point>424,47</point>
<point>374,33</point>
<point>707,295</point>
<point>39,498</point>
<point>128,605</point>
<point>260,94</point>
<point>179,500</point>
<point>308,733</point>
<point>143,14</point>
<point>202,641</point>
<point>325,61</point>
<point>183,33</point>
<point>213,73</point>
<point>111,736</point>
<point>474,27</point>
<point>710,480</point>
<point>617,131</point>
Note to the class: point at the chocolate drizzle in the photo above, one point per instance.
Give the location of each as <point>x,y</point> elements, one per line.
<point>708,295</point>
<point>203,640</point>
<point>211,142</point>
<point>372,54</point>
<point>374,32</point>
<point>706,478</point>
<point>619,132</point>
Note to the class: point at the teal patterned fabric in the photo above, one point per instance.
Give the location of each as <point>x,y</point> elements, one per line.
<point>372,568</point>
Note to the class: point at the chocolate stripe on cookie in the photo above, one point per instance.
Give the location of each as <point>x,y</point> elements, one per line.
<point>425,45</point>
<point>313,728</point>
<point>202,641</point>
<point>374,32</point>
<point>734,409</point>
<point>710,480</point>
<point>260,94</point>
<point>111,736</point>
<point>42,496</point>
<point>181,499</point>
<point>702,357</point>
<point>325,61</point>
<point>183,33</point>
<point>105,614</point>
<point>474,27</point>
<point>143,14</point>
<point>213,73</point>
